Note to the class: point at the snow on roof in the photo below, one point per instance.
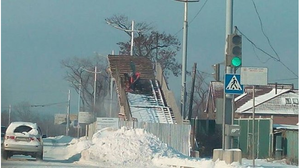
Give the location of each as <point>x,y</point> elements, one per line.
<point>284,126</point>
<point>261,99</point>
<point>240,96</point>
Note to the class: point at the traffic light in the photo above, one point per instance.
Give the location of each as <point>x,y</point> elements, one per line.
<point>234,51</point>
<point>216,74</point>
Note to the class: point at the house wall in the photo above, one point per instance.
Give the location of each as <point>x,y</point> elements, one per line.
<point>291,140</point>
<point>210,114</point>
<point>277,119</point>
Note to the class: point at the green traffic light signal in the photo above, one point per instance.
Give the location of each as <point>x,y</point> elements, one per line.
<point>236,61</point>
<point>234,51</point>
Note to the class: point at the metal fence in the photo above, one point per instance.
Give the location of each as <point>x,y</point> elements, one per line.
<point>263,137</point>
<point>176,136</point>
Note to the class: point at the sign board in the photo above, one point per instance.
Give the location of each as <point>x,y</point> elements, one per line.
<point>62,118</point>
<point>233,84</point>
<point>107,122</point>
<point>232,130</point>
<point>85,117</point>
<point>254,76</point>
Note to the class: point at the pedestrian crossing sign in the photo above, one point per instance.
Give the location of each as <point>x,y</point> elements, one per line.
<point>233,84</point>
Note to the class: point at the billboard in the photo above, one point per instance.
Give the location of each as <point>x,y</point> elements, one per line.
<point>62,118</point>
<point>85,117</point>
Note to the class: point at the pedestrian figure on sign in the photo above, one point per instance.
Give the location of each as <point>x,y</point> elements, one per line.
<point>233,84</point>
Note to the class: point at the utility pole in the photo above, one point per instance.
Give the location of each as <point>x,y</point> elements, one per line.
<point>131,30</point>
<point>9,114</point>
<point>68,113</point>
<point>192,91</point>
<point>132,37</point>
<point>95,87</point>
<point>79,99</point>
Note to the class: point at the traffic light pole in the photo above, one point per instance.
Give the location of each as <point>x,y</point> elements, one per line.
<point>227,100</point>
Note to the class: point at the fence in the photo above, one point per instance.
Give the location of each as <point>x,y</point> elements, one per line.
<point>176,136</point>
<point>263,137</point>
<point>291,144</point>
<point>168,94</point>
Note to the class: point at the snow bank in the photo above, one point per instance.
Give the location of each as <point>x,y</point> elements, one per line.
<point>135,147</point>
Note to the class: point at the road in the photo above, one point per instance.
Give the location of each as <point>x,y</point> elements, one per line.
<point>55,155</point>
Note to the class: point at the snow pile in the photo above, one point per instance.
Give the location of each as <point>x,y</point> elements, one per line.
<point>124,148</point>
<point>136,148</point>
<point>76,146</point>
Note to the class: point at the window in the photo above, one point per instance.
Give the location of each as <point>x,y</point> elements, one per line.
<point>288,101</point>
<point>22,128</point>
<point>295,101</point>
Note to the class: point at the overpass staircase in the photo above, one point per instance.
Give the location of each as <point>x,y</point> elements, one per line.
<point>149,103</point>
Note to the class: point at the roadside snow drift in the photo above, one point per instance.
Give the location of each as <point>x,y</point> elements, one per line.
<point>135,147</point>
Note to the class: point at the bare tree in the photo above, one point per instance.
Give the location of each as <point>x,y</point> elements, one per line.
<point>80,74</point>
<point>200,93</point>
<point>4,118</point>
<point>158,47</point>
<point>23,112</point>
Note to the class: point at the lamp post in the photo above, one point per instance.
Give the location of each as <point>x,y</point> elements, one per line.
<point>184,56</point>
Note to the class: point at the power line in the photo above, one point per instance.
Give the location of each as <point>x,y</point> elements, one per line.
<point>271,56</point>
<point>262,29</point>
<point>269,42</point>
<point>198,12</point>
<point>50,104</point>
<point>193,17</point>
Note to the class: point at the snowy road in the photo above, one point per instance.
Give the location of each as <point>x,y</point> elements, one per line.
<point>55,155</point>
<point>122,148</point>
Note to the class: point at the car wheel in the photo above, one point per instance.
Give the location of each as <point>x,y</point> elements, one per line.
<point>5,155</point>
<point>39,156</point>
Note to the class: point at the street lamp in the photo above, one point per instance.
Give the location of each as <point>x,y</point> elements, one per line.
<point>184,56</point>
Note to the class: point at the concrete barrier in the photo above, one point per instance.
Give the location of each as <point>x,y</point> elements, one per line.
<point>228,155</point>
<point>217,154</point>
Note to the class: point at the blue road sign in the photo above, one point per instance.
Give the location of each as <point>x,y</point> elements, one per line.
<point>233,84</point>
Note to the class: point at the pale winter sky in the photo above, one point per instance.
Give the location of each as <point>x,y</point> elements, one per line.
<point>37,34</point>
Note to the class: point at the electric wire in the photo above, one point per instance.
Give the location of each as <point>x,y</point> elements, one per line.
<point>50,104</point>
<point>193,17</point>
<point>274,58</point>
<point>269,42</point>
<point>262,29</point>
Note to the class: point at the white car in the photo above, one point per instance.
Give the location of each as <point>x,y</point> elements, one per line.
<point>23,138</point>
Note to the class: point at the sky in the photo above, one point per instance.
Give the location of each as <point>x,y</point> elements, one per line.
<point>124,148</point>
<point>37,34</point>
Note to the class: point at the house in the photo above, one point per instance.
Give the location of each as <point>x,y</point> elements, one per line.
<point>277,101</point>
